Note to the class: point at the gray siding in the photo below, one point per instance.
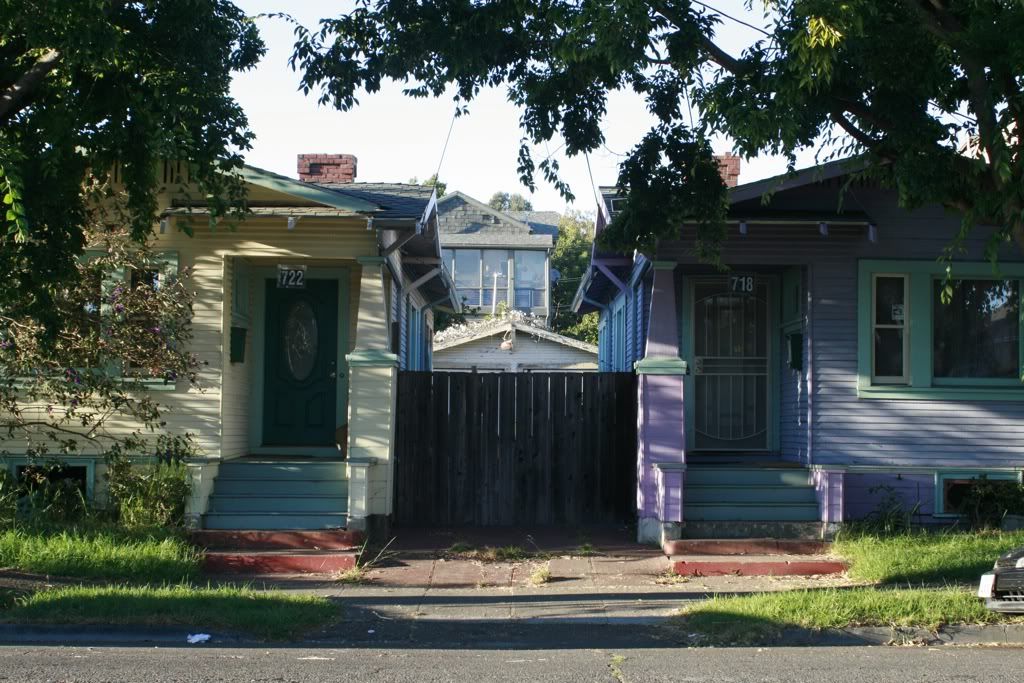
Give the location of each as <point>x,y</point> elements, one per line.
<point>846,429</point>
<point>793,394</point>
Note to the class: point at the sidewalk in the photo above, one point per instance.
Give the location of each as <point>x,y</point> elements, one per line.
<point>419,597</point>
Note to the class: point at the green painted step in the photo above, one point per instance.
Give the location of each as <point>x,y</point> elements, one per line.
<point>304,487</point>
<point>303,504</point>
<point>749,494</point>
<point>273,521</point>
<point>732,476</point>
<point>282,470</point>
<point>751,512</point>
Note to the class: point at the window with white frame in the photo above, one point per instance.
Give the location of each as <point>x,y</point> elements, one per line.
<point>529,279</point>
<point>489,277</point>
<point>890,347</point>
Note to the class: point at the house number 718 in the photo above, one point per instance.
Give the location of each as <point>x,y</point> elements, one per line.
<point>742,283</point>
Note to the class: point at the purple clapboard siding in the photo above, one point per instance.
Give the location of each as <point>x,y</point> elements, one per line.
<point>864,493</point>
<point>846,429</point>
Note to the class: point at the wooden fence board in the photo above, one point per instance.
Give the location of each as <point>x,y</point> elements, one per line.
<point>499,449</point>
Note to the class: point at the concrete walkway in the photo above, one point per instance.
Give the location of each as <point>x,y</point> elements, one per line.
<point>419,600</point>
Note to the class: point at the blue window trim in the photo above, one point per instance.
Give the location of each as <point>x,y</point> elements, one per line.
<point>12,462</point>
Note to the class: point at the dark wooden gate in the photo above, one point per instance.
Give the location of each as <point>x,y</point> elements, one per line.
<point>499,449</point>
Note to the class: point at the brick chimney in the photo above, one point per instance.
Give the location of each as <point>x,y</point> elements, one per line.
<point>327,168</point>
<point>729,167</point>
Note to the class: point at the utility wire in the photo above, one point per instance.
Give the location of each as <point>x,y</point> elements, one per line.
<point>437,173</point>
<point>729,16</point>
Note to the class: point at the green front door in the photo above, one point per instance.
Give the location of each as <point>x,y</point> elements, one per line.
<point>301,374</point>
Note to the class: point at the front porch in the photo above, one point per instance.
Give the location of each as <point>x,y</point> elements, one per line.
<point>724,418</point>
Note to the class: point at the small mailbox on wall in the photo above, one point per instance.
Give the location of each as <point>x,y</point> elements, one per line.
<point>237,349</point>
<point>795,350</point>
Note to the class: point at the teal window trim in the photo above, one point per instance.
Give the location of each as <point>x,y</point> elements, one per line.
<point>920,383</point>
<point>168,264</point>
<point>12,462</point>
<point>940,477</point>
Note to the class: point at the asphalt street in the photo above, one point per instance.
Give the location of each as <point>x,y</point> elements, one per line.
<point>323,665</point>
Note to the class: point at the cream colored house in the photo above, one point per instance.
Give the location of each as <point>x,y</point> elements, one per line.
<point>511,346</point>
<point>303,315</point>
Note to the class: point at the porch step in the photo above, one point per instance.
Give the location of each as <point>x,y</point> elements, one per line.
<point>703,475</point>
<point>745,546</point>
<point>731,529</point>
<point>756,565</point>
<point>279,494</point>
<point>279,561</point>
<point>287,487</point>
<point>703,495</point>
<point>278,503</point>
<point>275,520</point>
<point>751,512</point>
<point>340,539</point>
<point>282,470</point>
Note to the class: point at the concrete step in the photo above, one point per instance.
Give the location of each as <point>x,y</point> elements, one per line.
<point>745,546</point>
<point>753,511</point>
<point>743,476</point>
<point>273,503</point>
<point>279,561</point>
<point>808,531</point>
<point>290,487</point>
<point>749,494</point>
<point>250,539</point>
<point>756,565</point>
<point>275,520</point>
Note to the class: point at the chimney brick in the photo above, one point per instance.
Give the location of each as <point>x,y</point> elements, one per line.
<point>729,168</point>
<point>327,168</point>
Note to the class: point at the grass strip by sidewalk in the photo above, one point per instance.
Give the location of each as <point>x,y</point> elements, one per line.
<point>761,617</point>
<point>262,614</point>
<point>100,553</point>
<point>919,558</point>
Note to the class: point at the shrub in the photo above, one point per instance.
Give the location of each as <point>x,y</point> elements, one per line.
<point>150,495</point>
<point>987,501</point>
<point>46,493</point>
<point>8,499</point>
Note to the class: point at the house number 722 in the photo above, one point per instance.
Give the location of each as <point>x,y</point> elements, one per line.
<point>742,283</point>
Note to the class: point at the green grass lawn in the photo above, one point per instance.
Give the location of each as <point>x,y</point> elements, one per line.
<point>759,618</point>
<point>156,556</point>
<point>264,614</point>
<point>923,580</point>
<point>924,558</point>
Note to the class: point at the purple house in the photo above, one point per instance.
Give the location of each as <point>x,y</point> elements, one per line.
<point>822,376</point>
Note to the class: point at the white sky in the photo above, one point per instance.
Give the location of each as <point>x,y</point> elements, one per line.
<point>396,137</point>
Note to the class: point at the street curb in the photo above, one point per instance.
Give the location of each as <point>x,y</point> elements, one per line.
<point>995,634</point>
<point>26,634</point>
<point>991,634</point>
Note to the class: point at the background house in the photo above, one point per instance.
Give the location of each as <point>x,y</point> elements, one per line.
<point>510,344</point>
<point>496,257</point>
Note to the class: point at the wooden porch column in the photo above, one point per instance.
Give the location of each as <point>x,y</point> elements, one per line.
<point>661,456</point>
<point>371,405</point>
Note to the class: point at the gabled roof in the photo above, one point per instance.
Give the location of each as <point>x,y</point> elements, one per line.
<point>306,191</point>
<point>483,225</point>
<point>396,200</point>
<point>540,222</point>
<point>496,327</point>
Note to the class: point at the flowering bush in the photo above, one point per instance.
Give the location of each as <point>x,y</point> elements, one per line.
<point>124,325</point>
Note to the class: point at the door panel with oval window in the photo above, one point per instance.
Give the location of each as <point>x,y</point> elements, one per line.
<point>300,380</point>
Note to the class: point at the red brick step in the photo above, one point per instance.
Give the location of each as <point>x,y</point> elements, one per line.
<point>745,546</point>
<point>328,539</point>
<point>278,561</point>
<point>756,565</point>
